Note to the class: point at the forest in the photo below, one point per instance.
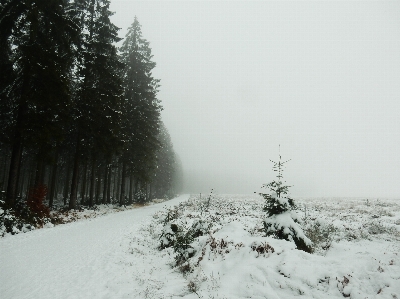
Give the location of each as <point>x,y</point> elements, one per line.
<point>80,118</point>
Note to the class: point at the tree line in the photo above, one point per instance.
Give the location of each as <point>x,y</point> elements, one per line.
<point>79,116</point>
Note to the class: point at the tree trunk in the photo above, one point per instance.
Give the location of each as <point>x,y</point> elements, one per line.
<point>22,183</point>
<point>15,163</point>
<point>92,182</point>
<point>39,172</point>
<point>131,189</point>
<point>3,167</point>
<point>67,179</point>
<point>135,190</point>
<point>4,172</point>
<point>75,178</point>
<point>114,184</point>
<point>30,180</point>
<point>118,183</point>
<point>104,199</point>
<point>58,186</point>
<point>98,188</point>
<point>150,194</point>
<point>123,179</point>
<point>83,189</point>
<point>109,185</point>
<point>53,181</point>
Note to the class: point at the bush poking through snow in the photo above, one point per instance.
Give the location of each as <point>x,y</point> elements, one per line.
<point>172,214</point>
<point>321,235</point>
<point>193,287</point>
<point>31,214</point>
<point>168,235</point>
<point>200,228</point>
<point>262,248</point>
<point>173,236</point>
<point>140,196</point>
<point>11,223</point>
<point>182,248</point>
<point>281,221</point>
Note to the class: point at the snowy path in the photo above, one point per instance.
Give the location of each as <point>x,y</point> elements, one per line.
<point>85,259</point>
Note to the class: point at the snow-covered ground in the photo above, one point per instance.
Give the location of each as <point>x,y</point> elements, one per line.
<point>357,247</point>
<point>85,259</point>
<point>357,253</point>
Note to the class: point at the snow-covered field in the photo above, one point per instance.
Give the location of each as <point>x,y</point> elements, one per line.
<point>357,253</point>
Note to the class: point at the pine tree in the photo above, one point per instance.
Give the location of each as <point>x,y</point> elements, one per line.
<point>71,107</point>
<point>98,88</point>
<point>40,34</point>
<point>141,108</point>
<point>164,175</point>
<point>281,221</point>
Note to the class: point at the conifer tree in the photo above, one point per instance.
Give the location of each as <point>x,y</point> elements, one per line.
<point>281,221</point>
<point>40,34</point>
<point>71,107</point>
<point>164,175</point>
<point>98,93</point>
<point>141,108</point>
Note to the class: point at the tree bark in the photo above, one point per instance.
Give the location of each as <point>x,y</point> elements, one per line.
<point>104,199</point>
<point>115,183</point>
<point>30,179</point>
<point>123,179</point>
<point>131,189</point>
<point>39,172</point>
<point>98,188</point>
<point>83,189</point>
<point>21,187</point>
<point>75,178</point>
<point>53,180</point>
<point>109,185</point>
<point>135,190</point>
<point>15,163</point>
<point>4,172</point>
<point>150,194</point>
<point>118,183</point>
<point>67,179</point>
<point>92,182</point>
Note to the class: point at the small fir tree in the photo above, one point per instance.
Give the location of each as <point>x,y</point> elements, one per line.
<point>281,221</point>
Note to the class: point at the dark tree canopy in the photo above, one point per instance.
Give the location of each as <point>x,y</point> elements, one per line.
<point>80,118</point>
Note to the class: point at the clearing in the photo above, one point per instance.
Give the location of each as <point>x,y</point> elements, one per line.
<point>356,241</point>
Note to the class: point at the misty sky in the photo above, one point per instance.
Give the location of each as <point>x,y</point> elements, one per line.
<point>322,79</point>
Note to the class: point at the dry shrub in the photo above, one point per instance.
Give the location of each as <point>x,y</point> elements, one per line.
<point>35,200</point>
<point>185,268</point>
<point>218,246</point>
<point>193,287</point>
<point>262,248</point>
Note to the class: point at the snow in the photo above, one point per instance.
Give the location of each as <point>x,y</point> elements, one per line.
<point>357,247</point>
<point>286,221</point>
<point>85,259</point>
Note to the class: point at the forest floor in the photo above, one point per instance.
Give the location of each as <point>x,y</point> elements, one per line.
<point>356,253</point>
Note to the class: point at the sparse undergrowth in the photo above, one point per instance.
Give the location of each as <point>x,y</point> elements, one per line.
<point>349,219</point>
<point>34,214</point>
<point>232,232</point>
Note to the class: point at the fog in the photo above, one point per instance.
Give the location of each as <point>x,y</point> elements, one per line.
<point>240,78</point>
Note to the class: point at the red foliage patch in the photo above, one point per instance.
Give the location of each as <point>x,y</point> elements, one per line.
<point>35,200</point>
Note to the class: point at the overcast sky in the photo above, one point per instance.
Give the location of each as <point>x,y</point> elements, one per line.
<point>322,79</point>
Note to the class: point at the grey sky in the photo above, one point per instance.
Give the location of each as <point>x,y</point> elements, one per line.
<point>322,79</point>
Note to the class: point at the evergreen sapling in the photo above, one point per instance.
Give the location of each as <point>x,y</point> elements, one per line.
<point>281,220</point>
